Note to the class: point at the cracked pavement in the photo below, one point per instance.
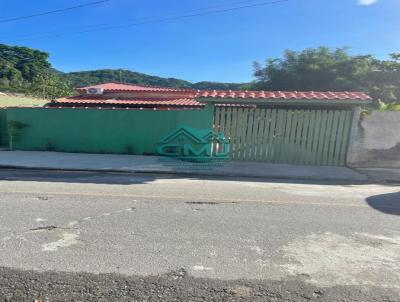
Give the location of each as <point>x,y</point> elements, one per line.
<point>285,241</point>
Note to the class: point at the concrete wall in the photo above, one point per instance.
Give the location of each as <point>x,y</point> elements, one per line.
<point>101,131</point>
<point>375,141</point>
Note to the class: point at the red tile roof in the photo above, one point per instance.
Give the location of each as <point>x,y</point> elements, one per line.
<point>104,101</point>
<point>286,95</point>
<point>159,97</point>
<point>241,94</point>
<point>110,87</point>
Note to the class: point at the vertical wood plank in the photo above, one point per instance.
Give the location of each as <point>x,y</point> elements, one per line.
<point>292,136</point>
<point>228,121</point>
<point>346,135</point>
<point>304,136</point>
<point>322,131</point>
<point>332,138</point>
<point>256,129</point>
<point>239,127</point>
<point>315,143</point>
<point>249,134</point>
<point>260,134</point>
<point>286,154</point>
<point>216,118</point>
<point>265,139</point>
<point>243,129</point>
<point>282,150</point>
<point>297,142</point>
<point>271,136</point>
<point>277,135</point>
<point>222,119</point>
<point>216,124</point>
<point>339,137</point>
<point>328,133</point>
<point>310,137</point>
<point>233,136</point>
<point>228,126</point>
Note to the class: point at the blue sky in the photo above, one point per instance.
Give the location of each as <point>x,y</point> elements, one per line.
<point>219,47</point>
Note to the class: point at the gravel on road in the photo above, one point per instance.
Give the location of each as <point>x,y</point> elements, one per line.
<point>31,286</point>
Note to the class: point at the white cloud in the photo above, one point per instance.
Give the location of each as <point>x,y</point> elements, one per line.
<point>367,2</point>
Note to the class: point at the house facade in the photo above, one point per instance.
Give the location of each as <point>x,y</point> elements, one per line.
<point>308,128</point>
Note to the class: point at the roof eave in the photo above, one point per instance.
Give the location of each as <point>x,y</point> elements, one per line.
<point>313,102</point>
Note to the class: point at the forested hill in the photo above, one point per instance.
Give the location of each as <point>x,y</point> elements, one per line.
<point>19,66</point>
<point>86,78</point>
<point>29,71</point>
<point>93,77</point>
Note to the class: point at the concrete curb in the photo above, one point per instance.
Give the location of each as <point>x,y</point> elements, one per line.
<point>387,178</point>
<point>369,180</point>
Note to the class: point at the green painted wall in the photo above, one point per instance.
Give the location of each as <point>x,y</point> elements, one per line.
<point>102,131</point>
<point>3,128</point>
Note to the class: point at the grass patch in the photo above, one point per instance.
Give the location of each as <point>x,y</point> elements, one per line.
<point>11,101</point>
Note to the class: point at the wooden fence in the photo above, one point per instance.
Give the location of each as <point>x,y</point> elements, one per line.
<point>282,135</point>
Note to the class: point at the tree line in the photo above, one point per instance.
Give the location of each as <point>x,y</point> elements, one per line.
<point>86,78</point>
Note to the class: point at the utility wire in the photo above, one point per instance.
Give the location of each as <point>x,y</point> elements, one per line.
<point>141,19</point>
<point>166,19</point>
<point>194,10</point>
<point>53,11</point>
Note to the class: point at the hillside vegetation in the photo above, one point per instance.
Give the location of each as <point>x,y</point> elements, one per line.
<point>19,66</point>
<point>86,78</point>
<point>29,71</point>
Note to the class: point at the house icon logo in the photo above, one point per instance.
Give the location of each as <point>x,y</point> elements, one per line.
<point>193,144</point>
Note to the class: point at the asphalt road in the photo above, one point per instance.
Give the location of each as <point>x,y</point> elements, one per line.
<point>161,238</point>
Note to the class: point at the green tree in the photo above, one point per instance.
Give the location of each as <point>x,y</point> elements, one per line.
<point>326,69</point>
<point>19,65</point>
<point>383,80</point>
<point>50,86</point>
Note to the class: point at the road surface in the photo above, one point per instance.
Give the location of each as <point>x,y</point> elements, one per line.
<point>124,237</point>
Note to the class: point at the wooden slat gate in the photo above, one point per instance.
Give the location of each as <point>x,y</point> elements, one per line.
<point>281,135</point>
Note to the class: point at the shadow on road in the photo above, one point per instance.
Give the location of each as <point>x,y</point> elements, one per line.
<point>77,177</point>
<point>386,203</point>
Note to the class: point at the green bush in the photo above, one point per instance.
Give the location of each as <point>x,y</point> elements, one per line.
<point>389,106</point>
